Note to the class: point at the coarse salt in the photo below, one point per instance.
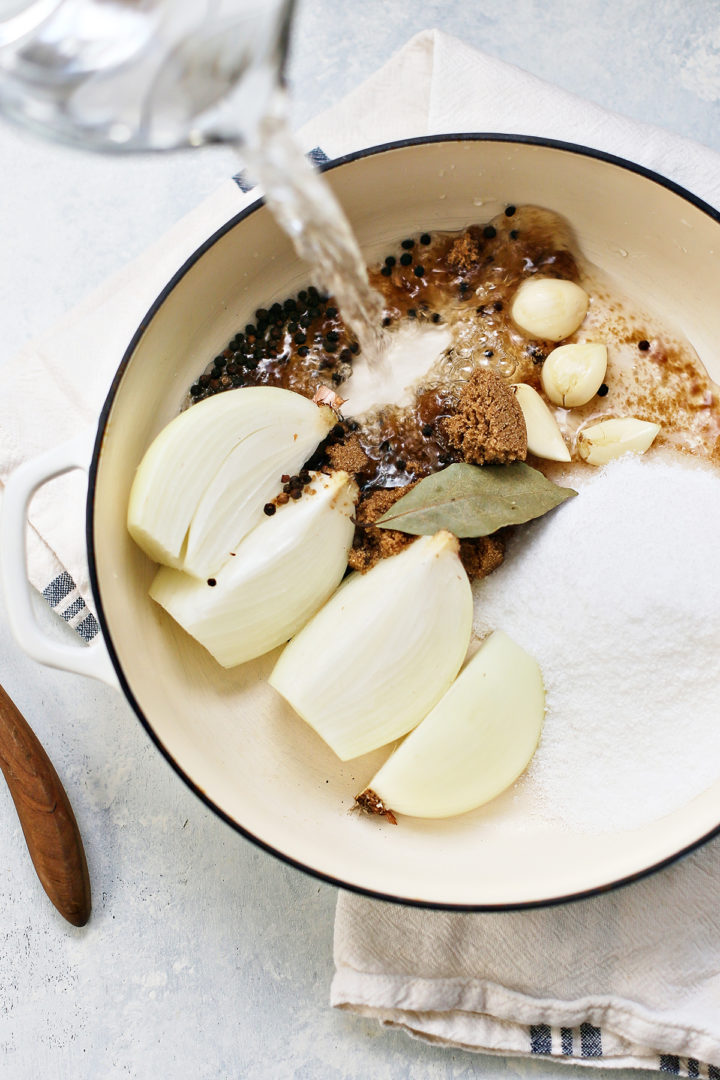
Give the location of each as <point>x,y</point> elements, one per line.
<point>617,595</point>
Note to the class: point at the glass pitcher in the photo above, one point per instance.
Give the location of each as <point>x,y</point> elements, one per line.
<point>120,75</point>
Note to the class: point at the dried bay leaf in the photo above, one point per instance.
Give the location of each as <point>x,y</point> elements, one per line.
<point>474,500</point>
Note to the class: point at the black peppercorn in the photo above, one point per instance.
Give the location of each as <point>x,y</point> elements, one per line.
<point>427,429</point>
<point>419,271</point>
<point>385,271</point>
<point>489,232</point>
<point>643,345</point>
<point>602,390</point>
<point>509,211</point>
<point>514,234</point>
<point>406,259</point>
<point>408,244</point>
<point>390,260</point>
<point>269,509</point>
<point>425,238</point>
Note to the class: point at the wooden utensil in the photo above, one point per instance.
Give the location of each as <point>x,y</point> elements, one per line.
<point>47,819</point>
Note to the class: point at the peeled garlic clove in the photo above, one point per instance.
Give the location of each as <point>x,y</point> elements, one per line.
<point>384,649</point>
<point>281,574</point>
<point>549,307</point>
<point>573,374</point>
<point>211,469</point>
<point>610,439</point>
<point>473,745</point>
<point>544,437</point>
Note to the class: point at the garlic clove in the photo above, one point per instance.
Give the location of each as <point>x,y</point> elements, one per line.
<point>281,574</point>
<point>573,374</point>
<point>549,308</point>
<point>219,462</point>
<point>473,745</point>
<point>600,443</point>
<point>383,650</point>
<point>544,437</point>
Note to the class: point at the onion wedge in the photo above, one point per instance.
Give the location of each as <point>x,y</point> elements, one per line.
<point>202,483</point>
<point>473,745</point>
<point>384,649</point>
<point>281,574</point>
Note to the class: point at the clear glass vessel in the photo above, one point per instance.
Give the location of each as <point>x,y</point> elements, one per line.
<point>119,75</point>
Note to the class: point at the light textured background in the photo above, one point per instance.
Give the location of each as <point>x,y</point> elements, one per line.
<point>205,958</point>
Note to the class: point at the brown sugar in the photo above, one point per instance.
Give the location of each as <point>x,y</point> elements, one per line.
<point>372,544</point>
<point>481,555</point>
<point>488,427</point>
<point>348,455</point>
<point>464,254</point>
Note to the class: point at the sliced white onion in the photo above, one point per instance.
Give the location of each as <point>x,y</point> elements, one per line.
<point>281,574</point>
<point>473,744</point>
<point>384,649</point>
<point>221,459</point>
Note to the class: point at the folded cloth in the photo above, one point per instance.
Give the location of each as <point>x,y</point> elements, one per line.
<point>624,979</point>
<point>631,978</point>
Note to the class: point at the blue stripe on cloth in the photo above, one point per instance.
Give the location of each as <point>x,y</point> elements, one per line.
<point>669,1063</point>
<point>590,1041</point>
<point>693,1067</point>
<point>74,609</point>
<point>316,155</point>
<point>88,628</point>
<point>566,1041</point>
<point>540,1039</point>
<point>58,588</point>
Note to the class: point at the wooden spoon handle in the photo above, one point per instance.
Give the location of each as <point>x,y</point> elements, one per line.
<point>47,820</point>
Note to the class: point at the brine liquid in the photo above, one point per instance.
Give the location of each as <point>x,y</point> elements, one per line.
<point>445,306</point>
<point>303,204</point>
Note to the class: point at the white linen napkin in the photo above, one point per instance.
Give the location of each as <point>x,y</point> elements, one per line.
<point>627,979</point>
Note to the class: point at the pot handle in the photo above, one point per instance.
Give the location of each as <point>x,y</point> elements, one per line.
<point>22,484</point>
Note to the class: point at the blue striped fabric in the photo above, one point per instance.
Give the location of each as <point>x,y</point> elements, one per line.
<point>63,597</point>
<point>317,156</point>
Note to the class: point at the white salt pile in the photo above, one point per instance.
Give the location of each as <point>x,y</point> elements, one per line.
<point>617,594</point>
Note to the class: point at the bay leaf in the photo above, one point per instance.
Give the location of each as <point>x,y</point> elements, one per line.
<point>474,500</point>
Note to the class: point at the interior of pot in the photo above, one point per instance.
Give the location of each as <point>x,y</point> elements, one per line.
<point>227,732</point>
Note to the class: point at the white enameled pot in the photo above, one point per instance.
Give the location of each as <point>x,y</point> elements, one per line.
<point>227,734</point>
